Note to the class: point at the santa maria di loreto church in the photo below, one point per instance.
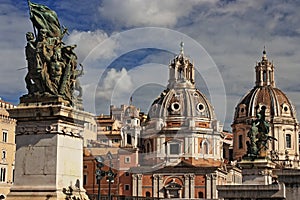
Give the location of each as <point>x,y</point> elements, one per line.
<point>53,149</point>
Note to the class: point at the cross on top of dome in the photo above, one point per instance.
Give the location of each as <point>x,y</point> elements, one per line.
<point>181,47</point>
<point>264,57</point>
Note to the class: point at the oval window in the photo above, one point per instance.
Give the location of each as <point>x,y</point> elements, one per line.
<point>200,107</point>
<point>175,106</point>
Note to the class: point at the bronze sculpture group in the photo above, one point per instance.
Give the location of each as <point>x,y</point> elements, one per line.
<point>52,65</point>
<point>257,146</point>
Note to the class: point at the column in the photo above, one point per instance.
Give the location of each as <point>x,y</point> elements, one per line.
<point>163,146</point>
<point>160,186</point>
<point>186,186</point>
<point>186,147</point>
<point>208,186</point>
<point>196,146</point>
<point>214,186</point>
<point>155,185</point>
<point>134,186</point>
<point>140,184</point>
<point>158,145</point>
<point>192,186</point>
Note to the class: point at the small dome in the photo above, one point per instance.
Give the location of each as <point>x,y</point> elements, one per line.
<point>132,111</point>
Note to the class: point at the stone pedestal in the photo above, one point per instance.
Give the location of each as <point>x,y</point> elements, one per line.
<point>257,172</point>
<point>49,156</point>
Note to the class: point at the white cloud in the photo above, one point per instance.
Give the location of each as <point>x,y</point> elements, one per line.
<point>86,41</point>
<point>114,88</point>
<point>233,32</point>
<point>130,13</point>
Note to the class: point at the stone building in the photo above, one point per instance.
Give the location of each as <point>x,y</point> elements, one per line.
<point>7,147</point>
<point>117,133</point>
<point>280,112</point>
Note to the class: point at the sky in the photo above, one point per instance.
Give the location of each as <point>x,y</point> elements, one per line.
<point>126,46</point>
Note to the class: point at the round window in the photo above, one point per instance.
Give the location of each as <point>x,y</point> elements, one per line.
<point>285,108</point>
<point>200,107</point>
<point>175,106</point>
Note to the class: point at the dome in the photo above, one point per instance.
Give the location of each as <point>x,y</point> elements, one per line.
<point>265,94</point>
<point>181,99</point>
<point>183,102</point>
<point>275,101</point>
<point>132,111</point>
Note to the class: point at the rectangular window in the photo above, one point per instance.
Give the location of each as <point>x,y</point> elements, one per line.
<point>2,174</point>
<point>174,149</point>
<point>127,159</point>
<point>108,128</point>
<point>240,141</point>
<point>4,136</point>
<point>84,179</point>
<point>128,139</point>
<point>288,141</point>
<point>127,187</point>
<point>115,141</point>
<point>3,154</point>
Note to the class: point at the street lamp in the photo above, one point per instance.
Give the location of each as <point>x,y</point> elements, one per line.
<point>101,173</point>
<point>110,174</point>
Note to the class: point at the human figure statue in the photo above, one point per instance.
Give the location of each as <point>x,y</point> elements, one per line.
<point>52,65</point>
<point>77,85</point>
<point>56,71</point>
<point>31,62</point>
<point>251,145</point>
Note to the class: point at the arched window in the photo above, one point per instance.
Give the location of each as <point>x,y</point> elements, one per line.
<point>148,147</point>
<point>288,141</point>
<point>240,141</point>
<point>264,76</point>
<point>205,147</point>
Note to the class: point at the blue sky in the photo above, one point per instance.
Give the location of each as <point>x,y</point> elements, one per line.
<point>144,35</point>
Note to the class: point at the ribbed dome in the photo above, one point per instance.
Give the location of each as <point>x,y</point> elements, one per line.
<point>276,102</point>
<point>185,102</point>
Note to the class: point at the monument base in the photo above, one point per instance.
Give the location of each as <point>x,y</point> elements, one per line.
<point>49,155</point>
<point>257,171</point>
<point>46,195</point>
